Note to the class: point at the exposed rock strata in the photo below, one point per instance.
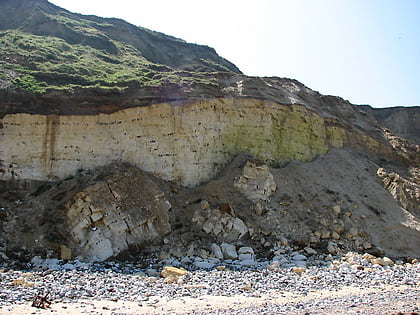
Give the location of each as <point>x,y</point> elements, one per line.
<point>403,121</point>
<point>188,143</point>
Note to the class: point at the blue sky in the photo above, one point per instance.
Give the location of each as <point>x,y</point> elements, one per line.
<point>366,51</point>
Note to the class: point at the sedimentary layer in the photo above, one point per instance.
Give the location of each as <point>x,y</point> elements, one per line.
<point>187,143</point>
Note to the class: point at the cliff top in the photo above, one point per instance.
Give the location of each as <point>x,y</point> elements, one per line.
<point>44,47</point>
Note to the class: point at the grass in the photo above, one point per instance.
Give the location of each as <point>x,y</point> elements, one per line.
<point>42,63</point>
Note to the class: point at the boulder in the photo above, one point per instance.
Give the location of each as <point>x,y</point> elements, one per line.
<point>124,209</point>
<point>219,224</point>
<point>256,183</point>
<point>229,251</point>
<point>245,250</point>
<point>169,271</point>
<point>299,257</point>
<point>65,252</point>
<point>217,251</point>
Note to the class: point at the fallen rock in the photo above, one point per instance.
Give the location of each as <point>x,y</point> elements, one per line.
<point>337,209</point>
<point>385,261</point>
<point>65,252</point>
<point>229,251</point>
<point>256,183</point>
<point>221,225</point>
<point>299,257</point>
<point>19,281</point>
<point>204,264</point>
<point>217,251</point>
<point>247,262</point>
<point>126,208</point>
<point>310,251</point>
<point>299,270</point>
<point>170,271</point>
<point>245,256</point>
<point>333,248</point>
<point>245,250</point>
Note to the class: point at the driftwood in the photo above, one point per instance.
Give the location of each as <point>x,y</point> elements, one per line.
<point>40,301</point>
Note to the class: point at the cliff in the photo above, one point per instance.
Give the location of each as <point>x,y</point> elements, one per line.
<point>188,141</point>
<point>403,121</point>
<point>120,141</point>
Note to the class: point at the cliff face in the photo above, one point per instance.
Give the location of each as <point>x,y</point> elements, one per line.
<point>403,121</point>
<point>136,143</point>
<point>188,142</point>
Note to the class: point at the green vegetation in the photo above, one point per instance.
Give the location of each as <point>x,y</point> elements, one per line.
<point>41,63</point>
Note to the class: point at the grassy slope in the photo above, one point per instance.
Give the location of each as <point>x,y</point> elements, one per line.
<point>37,63</point>
<point>45,47</point>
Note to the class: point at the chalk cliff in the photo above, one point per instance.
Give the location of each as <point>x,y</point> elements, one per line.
<point>115,139</point>
<point>188,141</point>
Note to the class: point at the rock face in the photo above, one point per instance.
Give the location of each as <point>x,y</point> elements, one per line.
<point>220,158</point>
<point>403,121</point>
<point>407,193</point>
<point>189,143</point>
<point>123,210</point>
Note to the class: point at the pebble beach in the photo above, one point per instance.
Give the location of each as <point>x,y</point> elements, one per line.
<point>351,284</point>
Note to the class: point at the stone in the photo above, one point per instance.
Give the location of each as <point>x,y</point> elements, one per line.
<point>19,281</point>
<point>51,263</point>
<point>186,260</point>
<point>335,235</point>
<point>280,258</point>
<point>385,261</point>
<point>171,279</point>
<point>176,252</point>
<point>152,272</point>
<point>299,257</point>
<point>36,261</point>
<point>101,249</point>
<point>247,287</point>
<point>248,262</point>
<point>221,225</point>
<point>246,250</point>
<point>299,270</point>
<point>339,227</point>
<point>244,256</point>
<point>332,248</point>
<point>227,208</point>
<point>388,261</point>
<point>204,204</point>
<point>300,263</point>
<point>216,250</point>
<point>354,231</point>
<point>204,265</point>
<point>260,208</point>
<point>229,251</point>
<point>28,284</point>
<point>274,265</point>
<point>337,209</point>
<point>256,183</point>
<point>65,253</point>
<point>310,251</point>
<point>203,254</point>
<point>169,271</point>
<point>69,266</point>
